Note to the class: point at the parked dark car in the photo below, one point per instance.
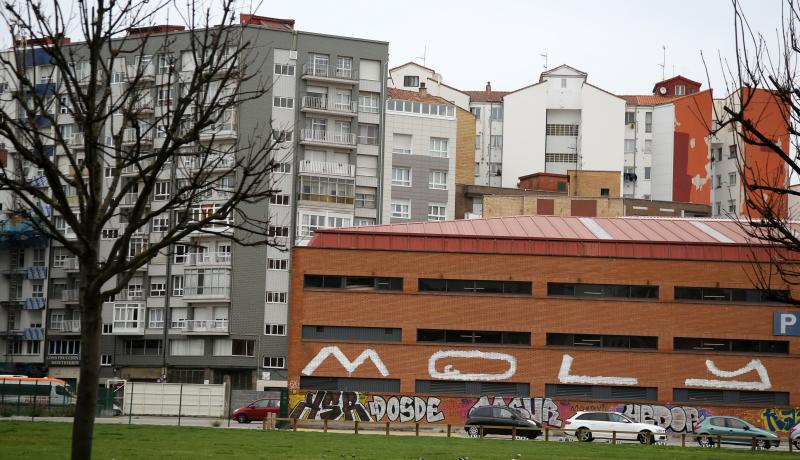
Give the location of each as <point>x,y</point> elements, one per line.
<point>500,420</point>
<point>256,410</point>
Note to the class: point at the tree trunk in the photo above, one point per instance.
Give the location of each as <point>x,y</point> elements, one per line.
<point>91,325</point>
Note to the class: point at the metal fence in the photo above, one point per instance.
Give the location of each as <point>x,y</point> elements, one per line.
<point>36,399</point>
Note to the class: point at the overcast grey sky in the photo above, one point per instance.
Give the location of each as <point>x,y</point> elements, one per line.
<point>617,42</point>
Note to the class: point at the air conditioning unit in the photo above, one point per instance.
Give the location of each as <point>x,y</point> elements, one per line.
<point>265,375</point>
<point>293,55</point>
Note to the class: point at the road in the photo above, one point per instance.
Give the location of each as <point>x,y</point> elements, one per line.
<point>375,429</point>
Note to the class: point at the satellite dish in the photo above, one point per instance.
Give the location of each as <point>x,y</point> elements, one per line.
<point>662,90</point>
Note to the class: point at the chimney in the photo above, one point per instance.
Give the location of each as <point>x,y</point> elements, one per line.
<point>488,87</point>
<point>423,91</point>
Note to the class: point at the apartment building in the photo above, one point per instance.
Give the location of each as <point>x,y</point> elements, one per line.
<point>209,308</point>
<point>487,106</point>
<point>562,122</point>
<point>420,157</point>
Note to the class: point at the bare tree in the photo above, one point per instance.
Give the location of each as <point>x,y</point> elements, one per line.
<point>762,111</point>
<point>136,120</point>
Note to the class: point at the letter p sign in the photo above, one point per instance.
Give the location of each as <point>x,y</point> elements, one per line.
<point>786,324</point>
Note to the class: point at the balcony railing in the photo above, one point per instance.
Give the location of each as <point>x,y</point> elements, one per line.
<point>205,326</point>
<point>209,258</point>
<point>72,325</point>
<point>70,295</point>
<point>324,103</point>
<point>130,136</point>
<point>211,163</point>
<point>129,327</point>
<point>322,168</point>
<point>136,168</point>
<point>76,141</point>
<point>206,292</point>
<point>71,263</point>
<point>319,70</point>
<point>327,137</point>
<point>129,295</point>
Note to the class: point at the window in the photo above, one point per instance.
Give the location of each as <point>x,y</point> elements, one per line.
<point>401,143</point>
<point>177,285</point>
<point>365,199</point>
<point>630,146</point>
<point>460,387</point>
<point>411,81</point>
<point>110,234</point>
<point>344,67</point>
<point>474,286</point>
<point>278,231</point>
<point>648,122</point>
<point>158,289</point>
<point>106,360</point>
<point>456,336</point>
<point>401,210</point>
<point>560,129</point>
<point>369,102</point>
<point>363,221</point>
<point>187,347</point>
<point>155,318</point>
<point>732,151</point>
<point>165,64</point>
<point>630,117</point>
<point>437,180</point>
<point>367,134</point>
<point>497,113</point>
<point>476,111</point>
<point>274,329</point>
<point>601,341</point>
<point>161,190</point>
<point>283,168</point>
<point>601,392</point>
<point>732,206</point>
<point>275,362</point>
<point>718,181</point>
<point>734,397</point>
<point>680,90</point>
<point>277,264</point>
<point>283,102</point>
<point>732,345</point>
<point>438,147</point>
<point>619,291</point>
<point>604,192</point>
<point>126,315</point>
<point>160,224</point>
<point>284,69</point>
<point>401,177</point>
<point>108,328</point>
<point>38,257</point>
<point>477,172</point>
<point>365,334</point>
<point>243,347</point>
<point>164,96</point>
<point>731,179</point>
<point>437,211</point>
<point>180,254</point>
<point>495,169</point>
<point>60,256</point>
<point>37,289</point>
<point>360,283</point>
<point>57,321</point>
<point>706,294</point>
<point>648,146</point>
<point>275,297</point>
<point>64,347</point>
<point>496,141</point>
<point>477,142</point>
<point>279,199</point>
<point>647,172</point>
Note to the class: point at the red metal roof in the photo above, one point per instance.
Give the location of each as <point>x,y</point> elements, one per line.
<point>486,96</point>
<point>670,238</point>
<point>405,95</point>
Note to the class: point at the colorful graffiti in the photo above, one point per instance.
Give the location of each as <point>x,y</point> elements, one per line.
<point>349,405</point>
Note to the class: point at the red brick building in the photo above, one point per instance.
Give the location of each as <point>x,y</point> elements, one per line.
<point>653,311</point>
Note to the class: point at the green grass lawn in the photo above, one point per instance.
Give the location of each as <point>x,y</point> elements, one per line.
<point>46,440</point>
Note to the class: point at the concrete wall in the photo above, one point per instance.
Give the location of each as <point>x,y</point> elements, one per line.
<point>662,156</point>
<point>528,205</point>
<point>524,132</point>
<point>168,398</point>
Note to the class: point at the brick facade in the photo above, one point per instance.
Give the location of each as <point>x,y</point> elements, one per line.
<point>537,364</point>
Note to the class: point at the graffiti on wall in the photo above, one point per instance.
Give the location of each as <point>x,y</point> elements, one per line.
<point>449,372</point>
<point>543,410</point>
<point>780,419</point>
<point>680,419</point>
<point>406,409</point>
<point>330,405</point>
<point>564,376</point>
<point>349,366</point>
<point>753,365</point>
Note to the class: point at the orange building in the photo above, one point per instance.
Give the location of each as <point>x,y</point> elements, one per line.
<point>550,314</point>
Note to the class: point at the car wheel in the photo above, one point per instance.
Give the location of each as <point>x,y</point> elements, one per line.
<point>473,431</point>
<point>763,444</point>
<point>705,441</point>
<point>242,418</point>
<point>796,443</point>
<point>583,435</point>
<point>646,437</point>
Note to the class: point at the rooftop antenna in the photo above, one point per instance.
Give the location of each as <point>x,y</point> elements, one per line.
<point>544,55</point>
<point>663,64</point>
<point>424,55</point>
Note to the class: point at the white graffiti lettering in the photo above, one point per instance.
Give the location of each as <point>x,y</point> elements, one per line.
<point>350,366</point>
<point>564,376</point>
<point>406,409</point>
<point>680,419</point>
<point>543,410</point>
<point>753,365</point>
<point>451,373</point>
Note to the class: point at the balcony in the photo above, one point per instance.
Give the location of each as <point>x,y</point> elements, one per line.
<point>129,327</point>
<point>36,273</point>
<point>321,168</point>
<point>129,199</point>
<point>135,168</point>
<point>323,105</point>
<point>71,326</point>
<point>70,296</point>
<point>76,141</point>
<point>219,326</point>
<point>209,258</point>
<point>143,137</point>
<point>327,73</point>
<point>34,303</point>
<point>325,138</point>
<point>211,163</point>
<point>224,128</point>
<point>71,264</point>
<point>128,294</point>
<point>207,293</point>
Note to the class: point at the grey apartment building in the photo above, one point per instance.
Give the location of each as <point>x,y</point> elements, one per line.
<point>210,308</point>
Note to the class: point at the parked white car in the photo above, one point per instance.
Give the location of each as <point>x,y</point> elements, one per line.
<point>586,426</point>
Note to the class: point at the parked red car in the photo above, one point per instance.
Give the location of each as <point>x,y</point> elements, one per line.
<point>256,410</point>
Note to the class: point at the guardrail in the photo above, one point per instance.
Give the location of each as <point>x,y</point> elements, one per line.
<point>548,433</point>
